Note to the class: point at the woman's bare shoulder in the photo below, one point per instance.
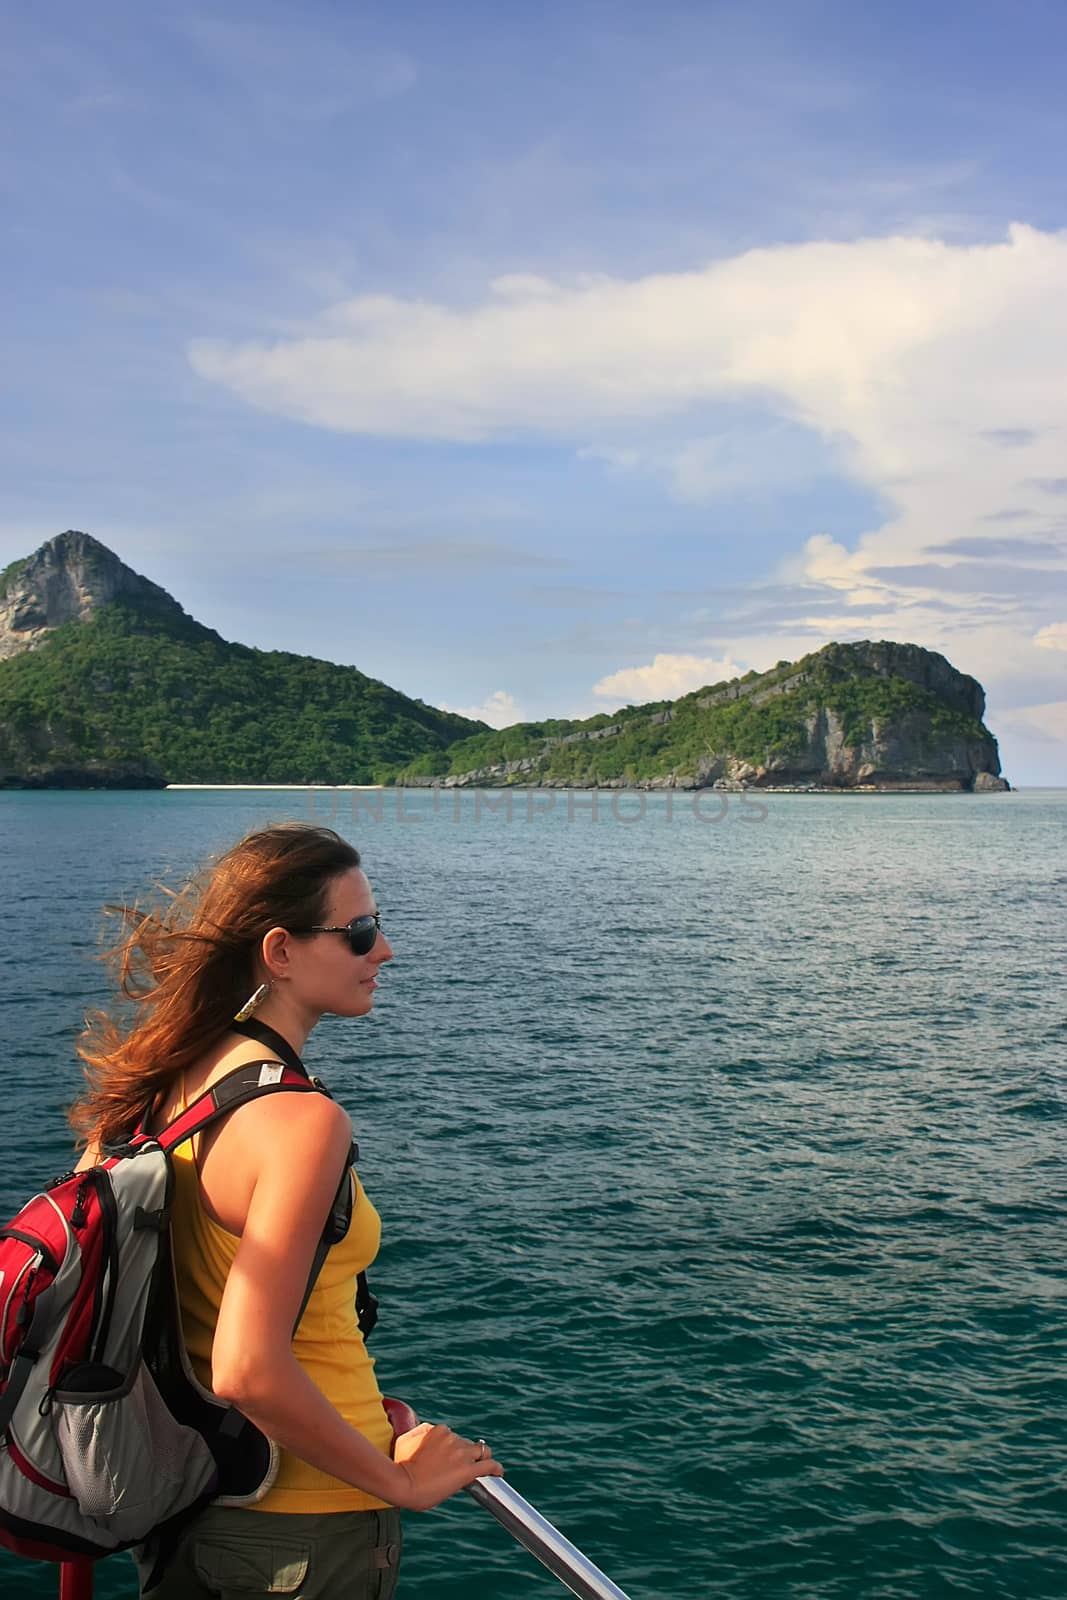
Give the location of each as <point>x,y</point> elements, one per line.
<point>284,1144</point>
<point>287,1126</point>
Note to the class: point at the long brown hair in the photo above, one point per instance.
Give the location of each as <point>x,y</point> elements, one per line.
<point>185,967</point>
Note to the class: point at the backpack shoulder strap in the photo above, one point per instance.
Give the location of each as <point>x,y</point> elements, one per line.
<point>337,1224</point>
<point>238,1088</point>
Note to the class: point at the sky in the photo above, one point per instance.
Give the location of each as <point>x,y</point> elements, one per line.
<point>538,360</point>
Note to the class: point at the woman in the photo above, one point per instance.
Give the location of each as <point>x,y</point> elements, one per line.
<point>284,925</point>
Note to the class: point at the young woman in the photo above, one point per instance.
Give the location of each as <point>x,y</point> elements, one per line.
<point>284,925</point>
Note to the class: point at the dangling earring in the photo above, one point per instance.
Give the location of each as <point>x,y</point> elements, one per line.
<point>253,1003</point>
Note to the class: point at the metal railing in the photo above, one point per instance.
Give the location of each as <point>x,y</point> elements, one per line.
<point>537,1535</point>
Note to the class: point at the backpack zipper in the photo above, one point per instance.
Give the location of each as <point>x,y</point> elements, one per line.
<point>77,1216</point>
<point>104,1309</point>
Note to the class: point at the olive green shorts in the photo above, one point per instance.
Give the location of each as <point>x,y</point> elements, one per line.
<point>230,1554</point>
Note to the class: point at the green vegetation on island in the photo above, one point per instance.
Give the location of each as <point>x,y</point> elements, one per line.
<point>139,693</point>
<point>769,722</point>
<point>105,680</point>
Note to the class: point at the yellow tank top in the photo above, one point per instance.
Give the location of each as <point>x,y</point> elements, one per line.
<point>328,1343</point>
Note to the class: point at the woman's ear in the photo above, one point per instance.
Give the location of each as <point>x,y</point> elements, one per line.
<point>277,952</point>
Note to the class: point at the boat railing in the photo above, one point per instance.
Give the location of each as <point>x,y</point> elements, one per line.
<point>537,1535</point>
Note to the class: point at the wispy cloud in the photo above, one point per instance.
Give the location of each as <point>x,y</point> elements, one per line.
<point>1042,550</point>
<point>1009,438</point>
<point>994,581</point>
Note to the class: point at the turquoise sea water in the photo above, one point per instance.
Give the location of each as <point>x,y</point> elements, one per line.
<point>721,1165</point>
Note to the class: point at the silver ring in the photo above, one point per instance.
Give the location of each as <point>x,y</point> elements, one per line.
<point>483,1450</point>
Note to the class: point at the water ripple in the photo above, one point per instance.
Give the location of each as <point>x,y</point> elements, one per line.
<point>722,1172</point>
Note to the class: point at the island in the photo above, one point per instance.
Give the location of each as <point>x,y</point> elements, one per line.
<point>106,681</point>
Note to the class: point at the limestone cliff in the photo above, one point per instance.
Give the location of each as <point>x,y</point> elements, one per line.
<point>67,580</point>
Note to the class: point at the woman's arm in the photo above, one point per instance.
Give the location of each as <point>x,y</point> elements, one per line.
<point>299,1145</point>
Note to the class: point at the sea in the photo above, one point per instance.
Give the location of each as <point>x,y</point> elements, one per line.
<point>719,1142</point>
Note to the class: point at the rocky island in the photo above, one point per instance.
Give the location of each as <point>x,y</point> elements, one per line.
<point>105,681</point>
<point>868,716</point>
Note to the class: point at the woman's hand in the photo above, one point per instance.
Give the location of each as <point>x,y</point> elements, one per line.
<point>436,1463</point>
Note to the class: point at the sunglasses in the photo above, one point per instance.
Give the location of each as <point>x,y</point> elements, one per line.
<point>361,933</point>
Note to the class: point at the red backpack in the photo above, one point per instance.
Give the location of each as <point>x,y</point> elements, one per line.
<point>106,1436</point>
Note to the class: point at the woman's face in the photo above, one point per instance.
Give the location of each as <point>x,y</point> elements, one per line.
<point>327,975</point>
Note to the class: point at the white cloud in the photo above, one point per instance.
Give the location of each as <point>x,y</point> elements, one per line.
<point>665,677</point>
<point>930,372</point>
<point>824,561</point>
<point>498,709</point>
<point>1052,637</point>
<point>836,335</point>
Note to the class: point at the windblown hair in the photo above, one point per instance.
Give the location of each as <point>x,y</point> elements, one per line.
<point>186,966</point>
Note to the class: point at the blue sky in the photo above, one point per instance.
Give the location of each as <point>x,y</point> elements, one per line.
<point>537,360</point>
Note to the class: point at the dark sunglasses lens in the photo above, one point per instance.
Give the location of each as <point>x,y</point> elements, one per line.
<point>363,935</point>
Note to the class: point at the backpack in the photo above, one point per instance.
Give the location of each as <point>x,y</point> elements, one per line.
<point>106,1436</point>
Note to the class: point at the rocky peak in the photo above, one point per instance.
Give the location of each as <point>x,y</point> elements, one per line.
<point>926,668</point>
<point>66,580</point>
